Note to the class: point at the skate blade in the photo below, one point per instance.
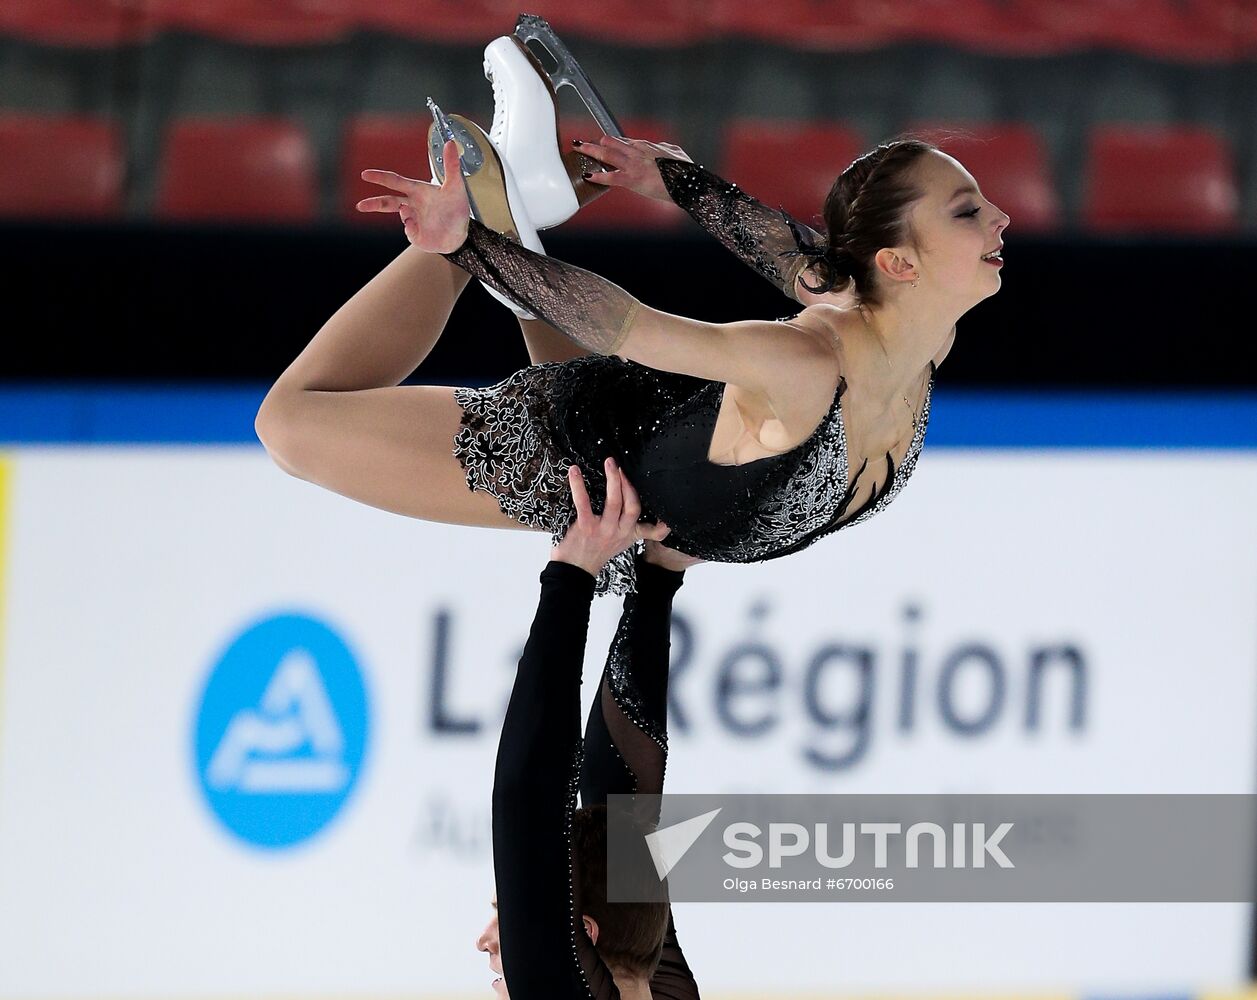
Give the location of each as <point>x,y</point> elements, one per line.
<point>531,28</point>
<point>482,171</point>
<point>441,131</point>
<point>575,163</point>
<point>470,157</point>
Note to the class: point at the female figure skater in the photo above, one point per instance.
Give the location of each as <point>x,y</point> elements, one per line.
<point>750,439</point>
<point>554,935</point>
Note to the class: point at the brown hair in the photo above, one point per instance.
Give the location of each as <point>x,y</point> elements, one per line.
<point>866,210</point>
<point>630,935</point>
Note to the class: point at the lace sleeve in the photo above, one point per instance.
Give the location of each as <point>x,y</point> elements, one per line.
<point>768,240</point>
<point>590,310</point>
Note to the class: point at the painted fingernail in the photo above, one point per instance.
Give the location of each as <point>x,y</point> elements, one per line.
<point>587,176</point>
<point>575,142</point>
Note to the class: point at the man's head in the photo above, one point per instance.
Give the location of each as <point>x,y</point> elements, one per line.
<point>488,942</point>
<point>628,936</point>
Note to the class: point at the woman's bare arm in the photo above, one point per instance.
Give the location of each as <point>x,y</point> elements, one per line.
<point>772,358</point>
<point>767,357</point>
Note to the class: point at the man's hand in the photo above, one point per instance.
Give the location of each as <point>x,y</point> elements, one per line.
<point>593,539</point>
<point>632,162</point>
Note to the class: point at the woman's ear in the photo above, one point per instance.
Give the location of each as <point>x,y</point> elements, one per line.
<point>892,263</point>
<point>591,928</point>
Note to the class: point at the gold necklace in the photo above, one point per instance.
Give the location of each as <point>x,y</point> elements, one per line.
<point>912,413</point>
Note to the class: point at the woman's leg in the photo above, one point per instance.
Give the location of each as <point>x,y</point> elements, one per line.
<point>383,332</point>
<point>337,416</point>
<point>390,447</point>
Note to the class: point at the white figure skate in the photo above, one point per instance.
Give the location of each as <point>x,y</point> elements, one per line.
<point>525,125</point>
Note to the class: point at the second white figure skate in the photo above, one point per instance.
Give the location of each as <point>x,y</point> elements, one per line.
<point>494,198</point>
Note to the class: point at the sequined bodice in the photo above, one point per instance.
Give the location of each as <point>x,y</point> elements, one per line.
<point>516,439</point>
<point>659,426</point>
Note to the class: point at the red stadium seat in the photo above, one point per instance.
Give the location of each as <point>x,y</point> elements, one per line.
<point>60,167</point>
<point>77,22</point>
<point>791,165</point>
<point>1179,180</point>
<point>257,22</point>
<point>659,23</point>
<point>619,209</point>
<point>856,25</point>
<point>980,25</point>
<point>467,21</point>
<point>381,142</point>
<point>836,25</point>
<point>1010,164</point>
<point>1167,29</point>
<point>1234,22</point>
<point>244,171</point>
<point>624,22</point>
<point>1246,21</point>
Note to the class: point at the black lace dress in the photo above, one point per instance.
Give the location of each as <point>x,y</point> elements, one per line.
<point>518,437</point>
<point>541,762</point>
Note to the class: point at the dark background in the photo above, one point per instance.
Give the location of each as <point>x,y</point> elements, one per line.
<point>140,302</point>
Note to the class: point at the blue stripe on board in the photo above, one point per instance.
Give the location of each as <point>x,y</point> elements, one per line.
<point>966,419</point>
<point>129,415</point>
<point>176,414</point>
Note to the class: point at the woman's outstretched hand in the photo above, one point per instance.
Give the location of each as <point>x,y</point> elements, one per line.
<point>593,539</point>
<point>633,163</point>
<point>434,216</point>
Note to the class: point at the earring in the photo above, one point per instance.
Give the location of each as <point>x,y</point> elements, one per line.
<point>914,282</point>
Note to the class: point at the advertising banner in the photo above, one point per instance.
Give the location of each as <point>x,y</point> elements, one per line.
<point>248,726</point>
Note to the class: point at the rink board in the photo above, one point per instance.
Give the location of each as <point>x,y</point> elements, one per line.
<point>146,585</point>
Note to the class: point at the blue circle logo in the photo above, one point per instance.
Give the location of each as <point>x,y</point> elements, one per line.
<point>281,731</point>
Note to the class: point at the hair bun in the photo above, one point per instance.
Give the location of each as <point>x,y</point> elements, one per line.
<point>841,262</point>
<point>832,265</point>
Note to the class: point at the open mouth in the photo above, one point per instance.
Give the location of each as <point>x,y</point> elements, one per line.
<point>994,257</point>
